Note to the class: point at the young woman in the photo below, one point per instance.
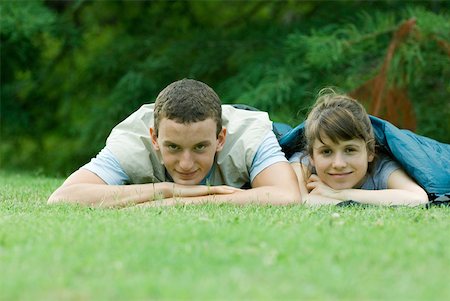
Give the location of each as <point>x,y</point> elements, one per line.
<point>340,161</point>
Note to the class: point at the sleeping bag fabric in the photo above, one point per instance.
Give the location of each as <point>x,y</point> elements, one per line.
<point>424,159</point>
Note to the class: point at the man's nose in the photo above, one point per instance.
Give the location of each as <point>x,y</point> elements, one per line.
<point>186,161</point>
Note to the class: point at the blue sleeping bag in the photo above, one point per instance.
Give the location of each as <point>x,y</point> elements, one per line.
<point>424,159</point>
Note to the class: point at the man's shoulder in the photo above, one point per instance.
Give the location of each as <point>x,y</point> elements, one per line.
<point>144,112</point>
<point>230,111</point>
<point>246,131</point>
<point>242,121</point>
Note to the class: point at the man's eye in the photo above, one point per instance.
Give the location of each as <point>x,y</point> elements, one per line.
<point>350,150</point>
<point>173,147</point>
<point>200,147</point>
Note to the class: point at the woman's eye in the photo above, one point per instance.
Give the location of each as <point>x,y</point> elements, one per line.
<point>326,152</point>
<point>350,150</point>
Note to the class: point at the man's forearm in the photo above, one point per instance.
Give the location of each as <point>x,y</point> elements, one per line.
<point>99,195</point>
<point>259,196</point>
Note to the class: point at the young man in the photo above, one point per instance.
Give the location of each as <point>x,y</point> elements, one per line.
<point>186,148</point>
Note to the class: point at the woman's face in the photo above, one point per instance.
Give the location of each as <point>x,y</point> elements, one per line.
<point>341,165</point>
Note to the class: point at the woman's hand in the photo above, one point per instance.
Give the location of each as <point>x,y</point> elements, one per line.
<point>315,186</point>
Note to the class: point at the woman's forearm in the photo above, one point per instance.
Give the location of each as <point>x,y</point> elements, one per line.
<point>383,197</point>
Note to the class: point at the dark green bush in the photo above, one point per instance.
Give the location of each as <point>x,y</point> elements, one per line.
<point>71,70</point>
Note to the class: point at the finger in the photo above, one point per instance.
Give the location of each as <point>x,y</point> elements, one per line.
<point>313,178</point>
<point>311,185</point>
<point>314,191</point>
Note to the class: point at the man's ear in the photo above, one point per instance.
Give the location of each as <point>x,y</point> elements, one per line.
<point>154,138</point>
<point>371,157</point>
<point>221,138</point>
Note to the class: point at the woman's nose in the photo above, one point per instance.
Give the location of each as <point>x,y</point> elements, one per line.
<point>339,161</point>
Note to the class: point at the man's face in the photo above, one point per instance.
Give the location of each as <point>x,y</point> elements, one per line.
<point>188,150</point>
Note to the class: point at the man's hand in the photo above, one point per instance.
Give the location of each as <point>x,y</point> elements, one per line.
<point>179,190</point>
<point>86,188</point>
<point>193,194</point>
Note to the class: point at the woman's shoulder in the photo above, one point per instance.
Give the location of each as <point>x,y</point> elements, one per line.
<point>384,161</point>
<point>384,166</point>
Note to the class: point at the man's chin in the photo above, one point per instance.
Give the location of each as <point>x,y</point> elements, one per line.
<point>187,182</point>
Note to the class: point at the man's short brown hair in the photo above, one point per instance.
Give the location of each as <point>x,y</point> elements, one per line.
<point>187,101</point>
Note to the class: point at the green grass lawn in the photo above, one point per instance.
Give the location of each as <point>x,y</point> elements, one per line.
<point>217,252</point>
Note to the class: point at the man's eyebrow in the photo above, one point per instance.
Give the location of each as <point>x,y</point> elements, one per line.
<point>167,142</point>
<point>206,143</point>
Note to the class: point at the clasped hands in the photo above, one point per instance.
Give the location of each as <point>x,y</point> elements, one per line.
<point>188,194</point>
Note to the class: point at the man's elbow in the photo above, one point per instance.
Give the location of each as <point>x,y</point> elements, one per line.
<point>57,197</point>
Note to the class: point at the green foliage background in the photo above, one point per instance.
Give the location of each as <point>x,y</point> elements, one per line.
<point>70,70</point>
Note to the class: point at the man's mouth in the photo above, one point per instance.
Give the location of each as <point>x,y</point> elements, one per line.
<point>187,175</point>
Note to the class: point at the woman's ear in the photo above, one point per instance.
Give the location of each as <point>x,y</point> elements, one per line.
<point>370,157</point>
<point>311,161</point>
<point>221,138</point>
<point>154,137</point>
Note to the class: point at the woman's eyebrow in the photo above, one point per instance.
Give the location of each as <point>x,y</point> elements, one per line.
<point>321,146</point>
<point>352,145</point>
